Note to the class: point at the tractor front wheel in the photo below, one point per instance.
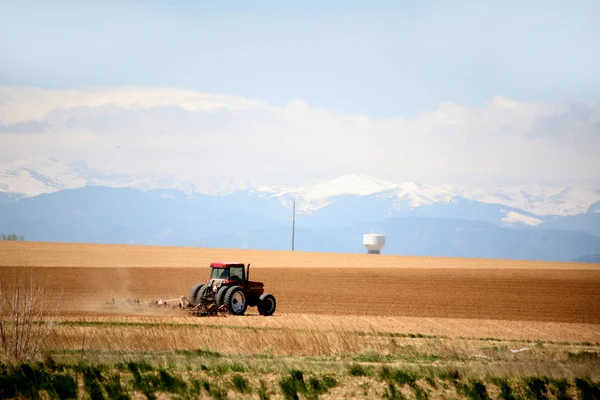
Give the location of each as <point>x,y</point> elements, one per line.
<point>194,292</point>
<point>235,299</point>
<point>266,304</point>
<point>201,293</point>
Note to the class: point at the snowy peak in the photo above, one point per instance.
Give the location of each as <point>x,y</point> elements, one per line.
<point>229,186</point>
<point>515,219</point>
<point>34,176</point>
<point>579,197</point>
<point>312,198</point>
<point>536,199</point>
<point>163,181</point>
<point>351,184</point>
<point>420,195</point>
<point>315,197</point>
<point>37,175</point>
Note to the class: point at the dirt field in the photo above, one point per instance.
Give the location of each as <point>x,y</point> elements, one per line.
<point>544,295</point>
<point>452,327</point>
<point>326,284</point>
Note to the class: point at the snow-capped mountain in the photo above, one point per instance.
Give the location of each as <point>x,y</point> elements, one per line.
<point>537,199</point>
<point>229,186</point>
<point>513,218</point>
<point>315,197</point>
<point>37,175</point>
<point>350,184</point>
<point>418,195</point>
<point>525,205</point>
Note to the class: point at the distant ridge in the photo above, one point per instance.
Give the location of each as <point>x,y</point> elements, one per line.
<point>37,175</point>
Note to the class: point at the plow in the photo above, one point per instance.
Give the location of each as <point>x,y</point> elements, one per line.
<point>205,309</point>
<point>228,290</point>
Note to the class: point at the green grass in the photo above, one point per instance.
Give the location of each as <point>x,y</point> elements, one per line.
<point>587,388</point>
<point>199,352</point>
<point>506,391</point>
<point>202,373</point>
<point>240,384</point>
<point>29,379</point>
<point>474,389</point>
<point>358,370</point>
<point>295,384</point>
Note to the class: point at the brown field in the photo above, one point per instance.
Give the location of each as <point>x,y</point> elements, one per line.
<point>413,313</point>
<point>326,284</point>
<point>435,296</point>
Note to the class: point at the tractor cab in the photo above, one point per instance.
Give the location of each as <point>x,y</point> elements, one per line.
<point>228,272</point>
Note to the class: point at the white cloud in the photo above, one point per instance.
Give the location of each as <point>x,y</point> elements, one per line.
<point>18,104</point>
<point>203,137</point>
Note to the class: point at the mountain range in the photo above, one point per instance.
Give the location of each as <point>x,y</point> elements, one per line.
<point>52,200</point>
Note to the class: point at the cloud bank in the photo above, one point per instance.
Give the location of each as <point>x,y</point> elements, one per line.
<point>204,137</point>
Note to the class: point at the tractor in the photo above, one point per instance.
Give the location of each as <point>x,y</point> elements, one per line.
<point>232,289</point>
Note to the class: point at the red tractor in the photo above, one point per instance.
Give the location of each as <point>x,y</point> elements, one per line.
<point>229,286</point>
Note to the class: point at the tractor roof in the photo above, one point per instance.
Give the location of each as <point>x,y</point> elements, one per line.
<point>225,264</point>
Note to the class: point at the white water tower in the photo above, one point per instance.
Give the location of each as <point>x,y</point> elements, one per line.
<point>374,242</point>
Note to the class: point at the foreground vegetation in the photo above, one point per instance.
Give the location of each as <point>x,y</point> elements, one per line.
<point>104,358</point>
<point>206,374</point>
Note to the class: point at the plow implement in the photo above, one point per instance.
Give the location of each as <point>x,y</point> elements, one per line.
<point>207,307</point>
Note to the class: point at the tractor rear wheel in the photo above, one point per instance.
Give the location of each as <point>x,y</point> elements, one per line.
<point>220,297</point>
<point>194,292</point>
<point>201,293</point>
<point>236,301</point>
<point>266,304</point>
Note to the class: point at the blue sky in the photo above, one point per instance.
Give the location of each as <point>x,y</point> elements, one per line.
<point>376,58</point>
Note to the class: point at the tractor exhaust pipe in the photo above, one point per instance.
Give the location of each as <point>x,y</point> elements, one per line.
<point>248,273</point>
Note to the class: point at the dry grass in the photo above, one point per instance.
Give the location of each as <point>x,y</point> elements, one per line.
<point>529,331</point>
<point>24,305</point>
<point>329,345</point>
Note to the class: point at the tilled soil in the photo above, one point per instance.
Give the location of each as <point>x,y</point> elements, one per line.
<point>497,294</point>
<point>318,283</point>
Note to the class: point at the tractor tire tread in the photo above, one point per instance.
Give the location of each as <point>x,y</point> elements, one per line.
<point>194,292</point>
<point>220,297</point>
<point>261,304</point>
<point>201,293</point>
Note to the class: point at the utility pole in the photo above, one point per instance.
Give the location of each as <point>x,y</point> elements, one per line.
<point>293,224</point>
